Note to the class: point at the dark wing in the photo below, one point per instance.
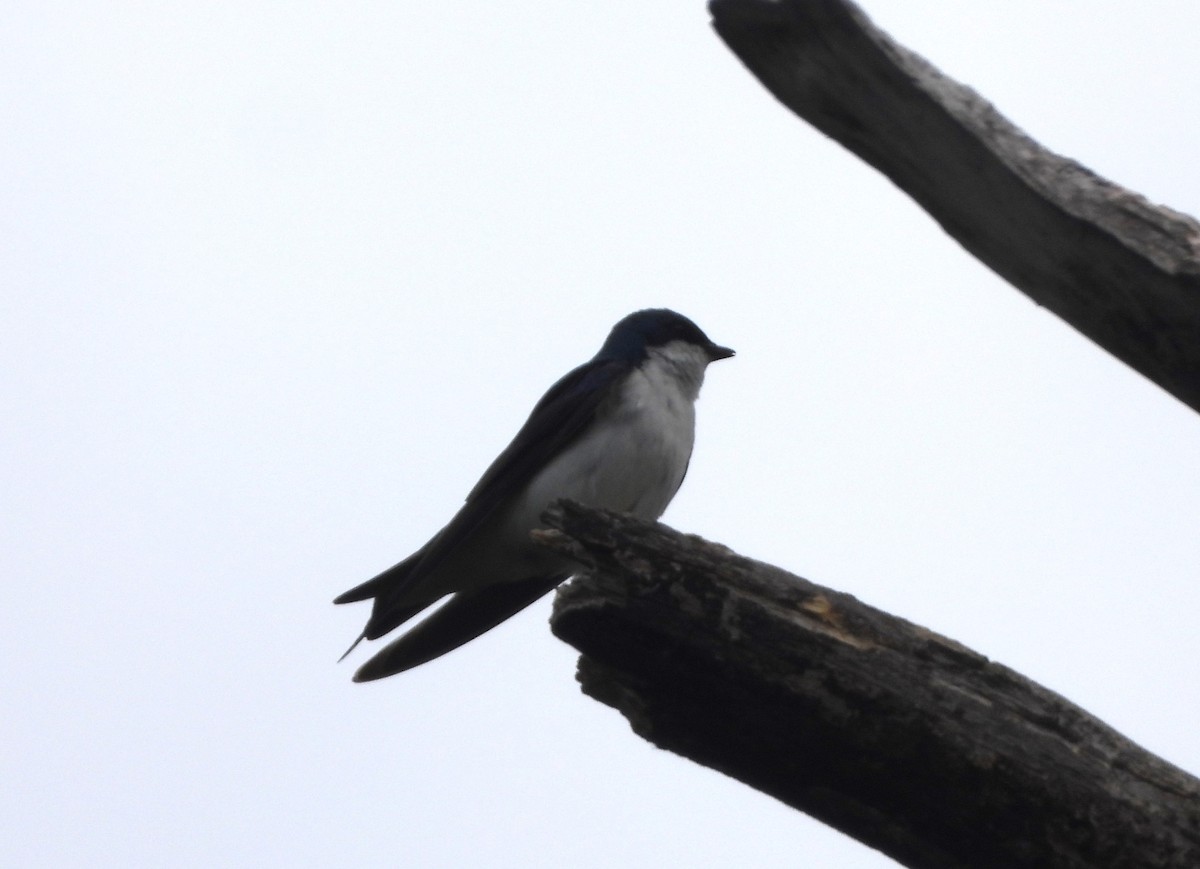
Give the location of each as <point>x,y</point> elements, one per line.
<point>459,620</point>
<point>555,422</point>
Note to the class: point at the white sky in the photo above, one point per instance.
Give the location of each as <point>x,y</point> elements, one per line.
<point>280,279</point>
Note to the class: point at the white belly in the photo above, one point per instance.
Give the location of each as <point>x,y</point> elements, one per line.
<point>633,462</point>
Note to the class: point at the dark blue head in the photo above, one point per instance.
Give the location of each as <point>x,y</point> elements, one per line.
<point>630,339</point>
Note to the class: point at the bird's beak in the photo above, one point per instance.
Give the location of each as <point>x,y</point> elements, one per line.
<point>716,351</point>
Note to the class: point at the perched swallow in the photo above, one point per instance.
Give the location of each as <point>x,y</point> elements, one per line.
<point>616,433</point>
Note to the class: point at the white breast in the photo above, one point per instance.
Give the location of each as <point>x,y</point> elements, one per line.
<point>635,460</point>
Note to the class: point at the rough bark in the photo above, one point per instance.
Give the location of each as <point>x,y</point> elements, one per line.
<point>908,741</point>
<point>1120,270</point>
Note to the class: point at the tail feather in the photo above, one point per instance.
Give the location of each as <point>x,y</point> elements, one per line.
<point>353,646</point>
<point>386,618</point>
<point>384,588</point>
<point>461,619</point>
<point>392,578</point>
<point>383,620</point>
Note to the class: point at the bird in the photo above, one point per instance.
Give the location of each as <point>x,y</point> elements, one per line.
<point>614,433</point>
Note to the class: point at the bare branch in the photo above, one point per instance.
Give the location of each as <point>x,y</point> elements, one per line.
<point>903,739</point>
<point>1120,270</point>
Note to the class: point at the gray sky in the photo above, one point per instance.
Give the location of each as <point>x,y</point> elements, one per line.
<point>280,279</point>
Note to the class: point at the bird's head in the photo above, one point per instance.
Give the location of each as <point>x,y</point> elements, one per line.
<point>634,337</point>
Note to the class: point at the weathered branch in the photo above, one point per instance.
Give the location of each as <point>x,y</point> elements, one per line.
<point>903,739</point>
<point>1120,270</point>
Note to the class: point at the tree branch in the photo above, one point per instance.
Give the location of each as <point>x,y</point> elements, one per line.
<point>903,739</point>
<point>1120,270</point>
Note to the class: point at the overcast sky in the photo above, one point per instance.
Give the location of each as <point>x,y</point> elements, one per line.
<point>280,279</point>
